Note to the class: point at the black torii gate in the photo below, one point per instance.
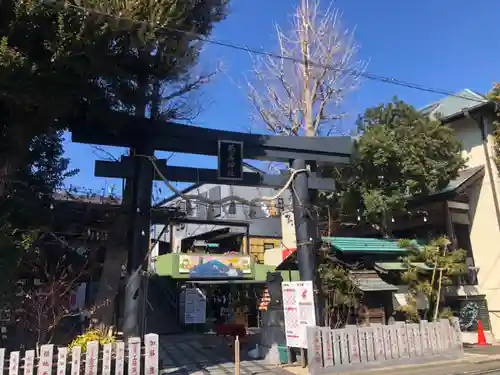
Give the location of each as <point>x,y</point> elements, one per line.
<point>144,136</point>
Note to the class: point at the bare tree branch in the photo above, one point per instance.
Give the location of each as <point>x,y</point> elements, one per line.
<point>293,98</point>
<point>43,307</point>
<point>178,99</point>
<point>98,151</point>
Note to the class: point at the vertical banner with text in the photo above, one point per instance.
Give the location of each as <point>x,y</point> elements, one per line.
<point>299,309</point>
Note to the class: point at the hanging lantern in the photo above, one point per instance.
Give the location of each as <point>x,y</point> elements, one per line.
<point>264,301</point>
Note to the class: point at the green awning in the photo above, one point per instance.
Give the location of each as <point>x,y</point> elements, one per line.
<point>364,245</point>
<point>398,266</point>
<point>369,281</point>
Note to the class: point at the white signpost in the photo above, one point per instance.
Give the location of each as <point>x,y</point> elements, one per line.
<point>298,305</point>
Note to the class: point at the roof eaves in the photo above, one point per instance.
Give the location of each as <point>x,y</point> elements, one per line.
<point>449,192</point>
<point>467,94</point>
<point>476,94</point>
<point>460,115</point>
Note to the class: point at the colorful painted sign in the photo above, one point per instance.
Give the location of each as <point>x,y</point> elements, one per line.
<point>215,266</point>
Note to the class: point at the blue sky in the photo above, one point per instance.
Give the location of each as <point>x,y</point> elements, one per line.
<point>446,44</point>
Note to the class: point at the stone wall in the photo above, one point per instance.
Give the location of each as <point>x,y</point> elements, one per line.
<point>356,348</point>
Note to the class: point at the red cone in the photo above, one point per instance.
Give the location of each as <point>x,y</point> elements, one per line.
<point>481,338</point>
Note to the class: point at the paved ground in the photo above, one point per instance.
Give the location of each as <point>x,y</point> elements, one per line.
<point>208,355</point>
<point>448,369</point>
<point>197,355</point>
<point>483,350</point>
<point>477,360</point>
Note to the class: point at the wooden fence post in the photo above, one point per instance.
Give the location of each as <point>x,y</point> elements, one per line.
<point>237,356</point>
<point>51,362</point>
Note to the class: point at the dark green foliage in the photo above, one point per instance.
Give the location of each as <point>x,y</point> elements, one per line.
<point>61,66</point>
<point>336,288</point>
<point>399,153</point>
<point>26,205</point>
<point>444,264</point>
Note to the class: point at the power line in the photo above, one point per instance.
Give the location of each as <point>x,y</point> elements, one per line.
<point>261,52</point>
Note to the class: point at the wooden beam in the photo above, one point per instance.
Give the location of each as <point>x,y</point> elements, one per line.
<point>123,169</point>
<point>191,139</point>
<point>458,206</point>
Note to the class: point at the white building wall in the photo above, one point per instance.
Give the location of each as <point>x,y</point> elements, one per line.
<point>485,231</point>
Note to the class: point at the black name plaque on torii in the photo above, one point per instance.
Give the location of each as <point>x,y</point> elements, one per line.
<point>230,160</point>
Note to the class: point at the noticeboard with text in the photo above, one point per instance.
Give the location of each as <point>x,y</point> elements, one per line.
<point>299,309</point>
<point>230,158</point>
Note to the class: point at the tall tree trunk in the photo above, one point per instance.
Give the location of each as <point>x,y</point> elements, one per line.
<point>440,283</point>
<point>116,251</point>
<point>109,283</point>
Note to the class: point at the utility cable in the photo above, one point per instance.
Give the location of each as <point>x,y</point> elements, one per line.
<point>261,52</point>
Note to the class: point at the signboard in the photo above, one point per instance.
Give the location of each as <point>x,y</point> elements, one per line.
<point>77,297</point>
<point>45,361</point>
<point>299,309</point>
<point>195,306</point>
<point>230,157</point>
<point>215,266</point>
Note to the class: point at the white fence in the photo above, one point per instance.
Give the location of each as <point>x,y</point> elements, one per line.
<point>358,348</point>
<point>74,362</point>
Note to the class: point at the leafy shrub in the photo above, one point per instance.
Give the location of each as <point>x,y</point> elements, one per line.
<point>92,335</point>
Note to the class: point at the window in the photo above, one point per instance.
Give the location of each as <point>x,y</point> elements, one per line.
<point>231,210</point>
<point>215,195</point>
<point>201,208</point>
<point>189,208</point>
<point>462,236</point>
<point>274,209</point>
<point>181,205</point>
<point>268,246</point>
<point>281,204</point>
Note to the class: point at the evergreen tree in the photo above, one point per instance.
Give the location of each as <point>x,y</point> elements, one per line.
<point>26,206</point>
<point>445,265</point>
<point>399,153</point>
<point>63,64</point>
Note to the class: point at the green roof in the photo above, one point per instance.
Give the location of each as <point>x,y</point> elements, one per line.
<point>369,281</point>
<point>452,105</point>
<point>364,245</point>
<point>464,176</point>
